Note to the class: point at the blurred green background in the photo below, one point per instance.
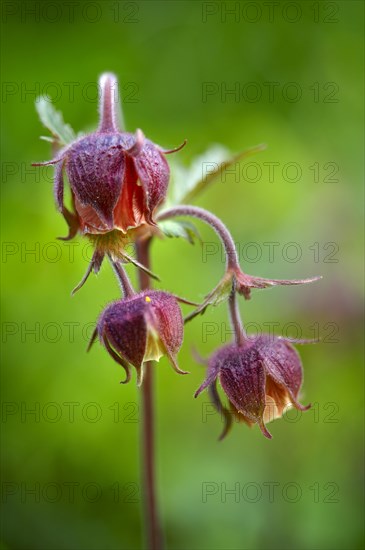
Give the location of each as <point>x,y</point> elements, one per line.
<point>71,469</point>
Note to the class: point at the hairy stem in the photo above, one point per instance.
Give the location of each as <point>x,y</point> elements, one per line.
<point>214,222</point>
<point>152,522</point>
<point>123,278</point>
<point>231,257</point>
<point>236,322</point>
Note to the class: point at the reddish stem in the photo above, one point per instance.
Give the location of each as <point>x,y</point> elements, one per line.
<point>214,222</point>
<point>236,322</point>
<point>152,522</point>
<point>229,248</point>
<point>123,279</point>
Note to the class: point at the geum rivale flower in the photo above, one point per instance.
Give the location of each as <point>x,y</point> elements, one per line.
<point>141,328</point>
<point>117,181</point>
<point>261,378</point>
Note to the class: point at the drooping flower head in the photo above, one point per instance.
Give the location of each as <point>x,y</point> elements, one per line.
<point>117,179</point>
<point>260,378</point>
<point>141,328</point>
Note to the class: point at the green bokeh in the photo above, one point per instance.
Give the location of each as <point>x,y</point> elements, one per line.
<point>163,53</point>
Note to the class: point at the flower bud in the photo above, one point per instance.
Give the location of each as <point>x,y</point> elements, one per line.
<point>261,379</point>
<point>117,179</point>
<point>141,328</point>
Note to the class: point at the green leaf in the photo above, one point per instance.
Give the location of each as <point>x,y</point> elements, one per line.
<point>181,228</point>
<point>189,182</point>
<point>62,133</point>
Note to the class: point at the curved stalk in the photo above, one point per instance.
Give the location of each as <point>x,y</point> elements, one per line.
<point>214,222</point>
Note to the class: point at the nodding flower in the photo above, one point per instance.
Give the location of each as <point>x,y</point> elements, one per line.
<point>260,378</point>
<point>117,179</point>
<point>141,328</point>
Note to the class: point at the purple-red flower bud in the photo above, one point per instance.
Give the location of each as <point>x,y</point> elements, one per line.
<point>141,328</point>
<point>117,179</point>
<point>261,379</point>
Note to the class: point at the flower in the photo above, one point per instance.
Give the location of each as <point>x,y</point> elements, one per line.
<point>141,328</point>
<point>117,179</point>
<point>260,378</point>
